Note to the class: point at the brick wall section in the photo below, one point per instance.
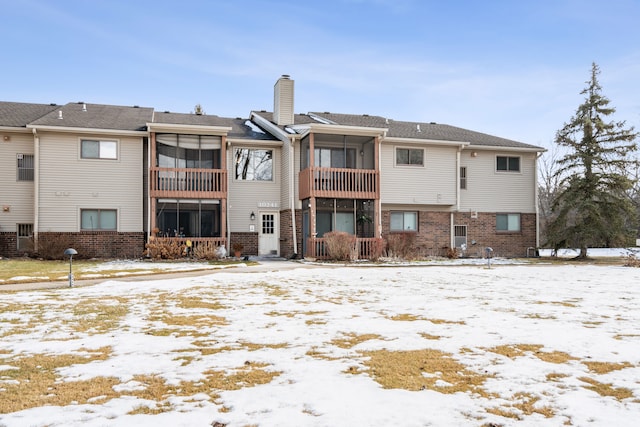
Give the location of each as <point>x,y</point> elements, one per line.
<point>286,233</point>
<point>100,244</point>
<point>248,239</point>
<point>8,245</point>
<point>504,244</point>
<point>434,234</point>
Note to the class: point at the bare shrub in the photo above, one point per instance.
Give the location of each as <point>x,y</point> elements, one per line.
<point>452,253</point>
<point>632,261</point>
<point>206,250</point>
<point>52,246</point>
<point>378,248</point>
<point>402,245</point>
<point>165,249</point>
<point>341,246</point>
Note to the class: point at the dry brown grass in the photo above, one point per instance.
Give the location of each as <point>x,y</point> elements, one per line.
<point>516,350</point>
<point>351,339</point>
<point>606,367</point>
<point>429,336</point>
<point>34,381</point>
<point>522,404</point>
<point>423,369</point>
<point>607,389</point>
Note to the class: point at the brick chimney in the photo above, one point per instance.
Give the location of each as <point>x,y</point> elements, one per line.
<point>283,101</point>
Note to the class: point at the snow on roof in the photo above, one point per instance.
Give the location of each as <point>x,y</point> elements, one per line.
<point>253,126</point>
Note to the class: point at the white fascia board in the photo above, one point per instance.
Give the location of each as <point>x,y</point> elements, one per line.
<point>15,129</point>
<point>192,129</point>
<point>254,142</point>
<point>505,148</point>
<point>342,129</point>
<point>62,129</point>
<point>461,144</point>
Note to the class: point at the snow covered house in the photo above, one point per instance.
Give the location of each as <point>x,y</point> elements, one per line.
<point>107,179</point>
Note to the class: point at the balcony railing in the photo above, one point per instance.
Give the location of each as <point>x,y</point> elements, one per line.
<point>187,182</point>
<point>365,248</point>
<point>339,183</point>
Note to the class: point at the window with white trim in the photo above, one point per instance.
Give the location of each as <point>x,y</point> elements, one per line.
<point>507,164</point>
<point>409,156</point>
<point>98,149</point>
<point>253,165</point>
<point>98,219</point>
<point>404,221</point>
<point>507,222</point>
<point>25,167</point>
<point>463,178</point>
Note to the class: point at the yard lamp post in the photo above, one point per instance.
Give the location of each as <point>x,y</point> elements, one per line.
<point>488,252</point>
<point>70,253</point>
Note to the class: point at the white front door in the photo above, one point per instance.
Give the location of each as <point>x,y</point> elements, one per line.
<point>268,234</point>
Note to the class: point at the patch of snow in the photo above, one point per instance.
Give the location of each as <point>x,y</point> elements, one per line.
<point>254,127</point>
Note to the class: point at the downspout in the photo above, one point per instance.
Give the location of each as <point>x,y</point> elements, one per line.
<point>536,200</point>
<point>150,164</point>
<point>227,204</point>
<point>36,188</point>
<point>292,196</point>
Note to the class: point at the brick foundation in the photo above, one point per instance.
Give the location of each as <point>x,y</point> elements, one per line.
<point>434,234</point>
<point>97,244</point>
<point>8,245</point>
<point>482,230</point>
<point>286,233</point>
<point>248,239</point>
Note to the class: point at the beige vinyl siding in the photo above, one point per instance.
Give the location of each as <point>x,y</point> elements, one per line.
<point>491,191</point>
<point>285,168</point>
<point>69,183</point>
<point>246,196</point>
<point>14,194</point>
<point>431,184</point>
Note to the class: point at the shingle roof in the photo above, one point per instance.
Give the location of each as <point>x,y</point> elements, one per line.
<point>418,130</point>
<point>20,114</point>
<point>443,132</point>
<point>97,116</point>
<point>410,130</point>
<point>240,128</point>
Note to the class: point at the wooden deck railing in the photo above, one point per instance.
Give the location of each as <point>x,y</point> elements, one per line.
<point>339,183</point>
<point>187,182</point>
<point>366,248</point>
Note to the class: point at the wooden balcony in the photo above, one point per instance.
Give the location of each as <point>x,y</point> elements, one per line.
<point>339,183</point>
<point>188,183</point>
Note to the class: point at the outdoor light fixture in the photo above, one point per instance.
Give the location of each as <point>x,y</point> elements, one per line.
<point>70,253</point>
<point>252,217</point>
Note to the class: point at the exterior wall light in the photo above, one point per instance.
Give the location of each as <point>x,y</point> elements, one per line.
<point>252,217</point>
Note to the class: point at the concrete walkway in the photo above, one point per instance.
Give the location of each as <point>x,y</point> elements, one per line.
<point>265,264</point>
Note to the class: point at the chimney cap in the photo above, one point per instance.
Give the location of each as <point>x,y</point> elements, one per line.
<point>285,76</point>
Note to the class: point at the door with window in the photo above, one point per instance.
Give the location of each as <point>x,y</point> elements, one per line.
<point>268,234</point>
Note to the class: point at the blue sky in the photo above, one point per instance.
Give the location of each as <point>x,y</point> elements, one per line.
<point>509,68</point>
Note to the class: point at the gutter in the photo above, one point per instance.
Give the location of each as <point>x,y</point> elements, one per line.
<point>120,132</point>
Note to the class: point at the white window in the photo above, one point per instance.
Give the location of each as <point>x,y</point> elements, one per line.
<point>463,178</point>
<point>409,156</point>
<point>98,219</point>
<point>508,222</point>
<point>404,221</point>
<point>507,164</point>
<point>253,165</point>
<point>95,149</point>
<point>25,167</point>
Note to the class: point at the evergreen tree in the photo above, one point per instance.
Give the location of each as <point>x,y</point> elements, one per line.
<point>593,207</point>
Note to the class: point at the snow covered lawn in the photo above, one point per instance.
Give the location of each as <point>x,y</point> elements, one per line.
<point>514,345</point>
